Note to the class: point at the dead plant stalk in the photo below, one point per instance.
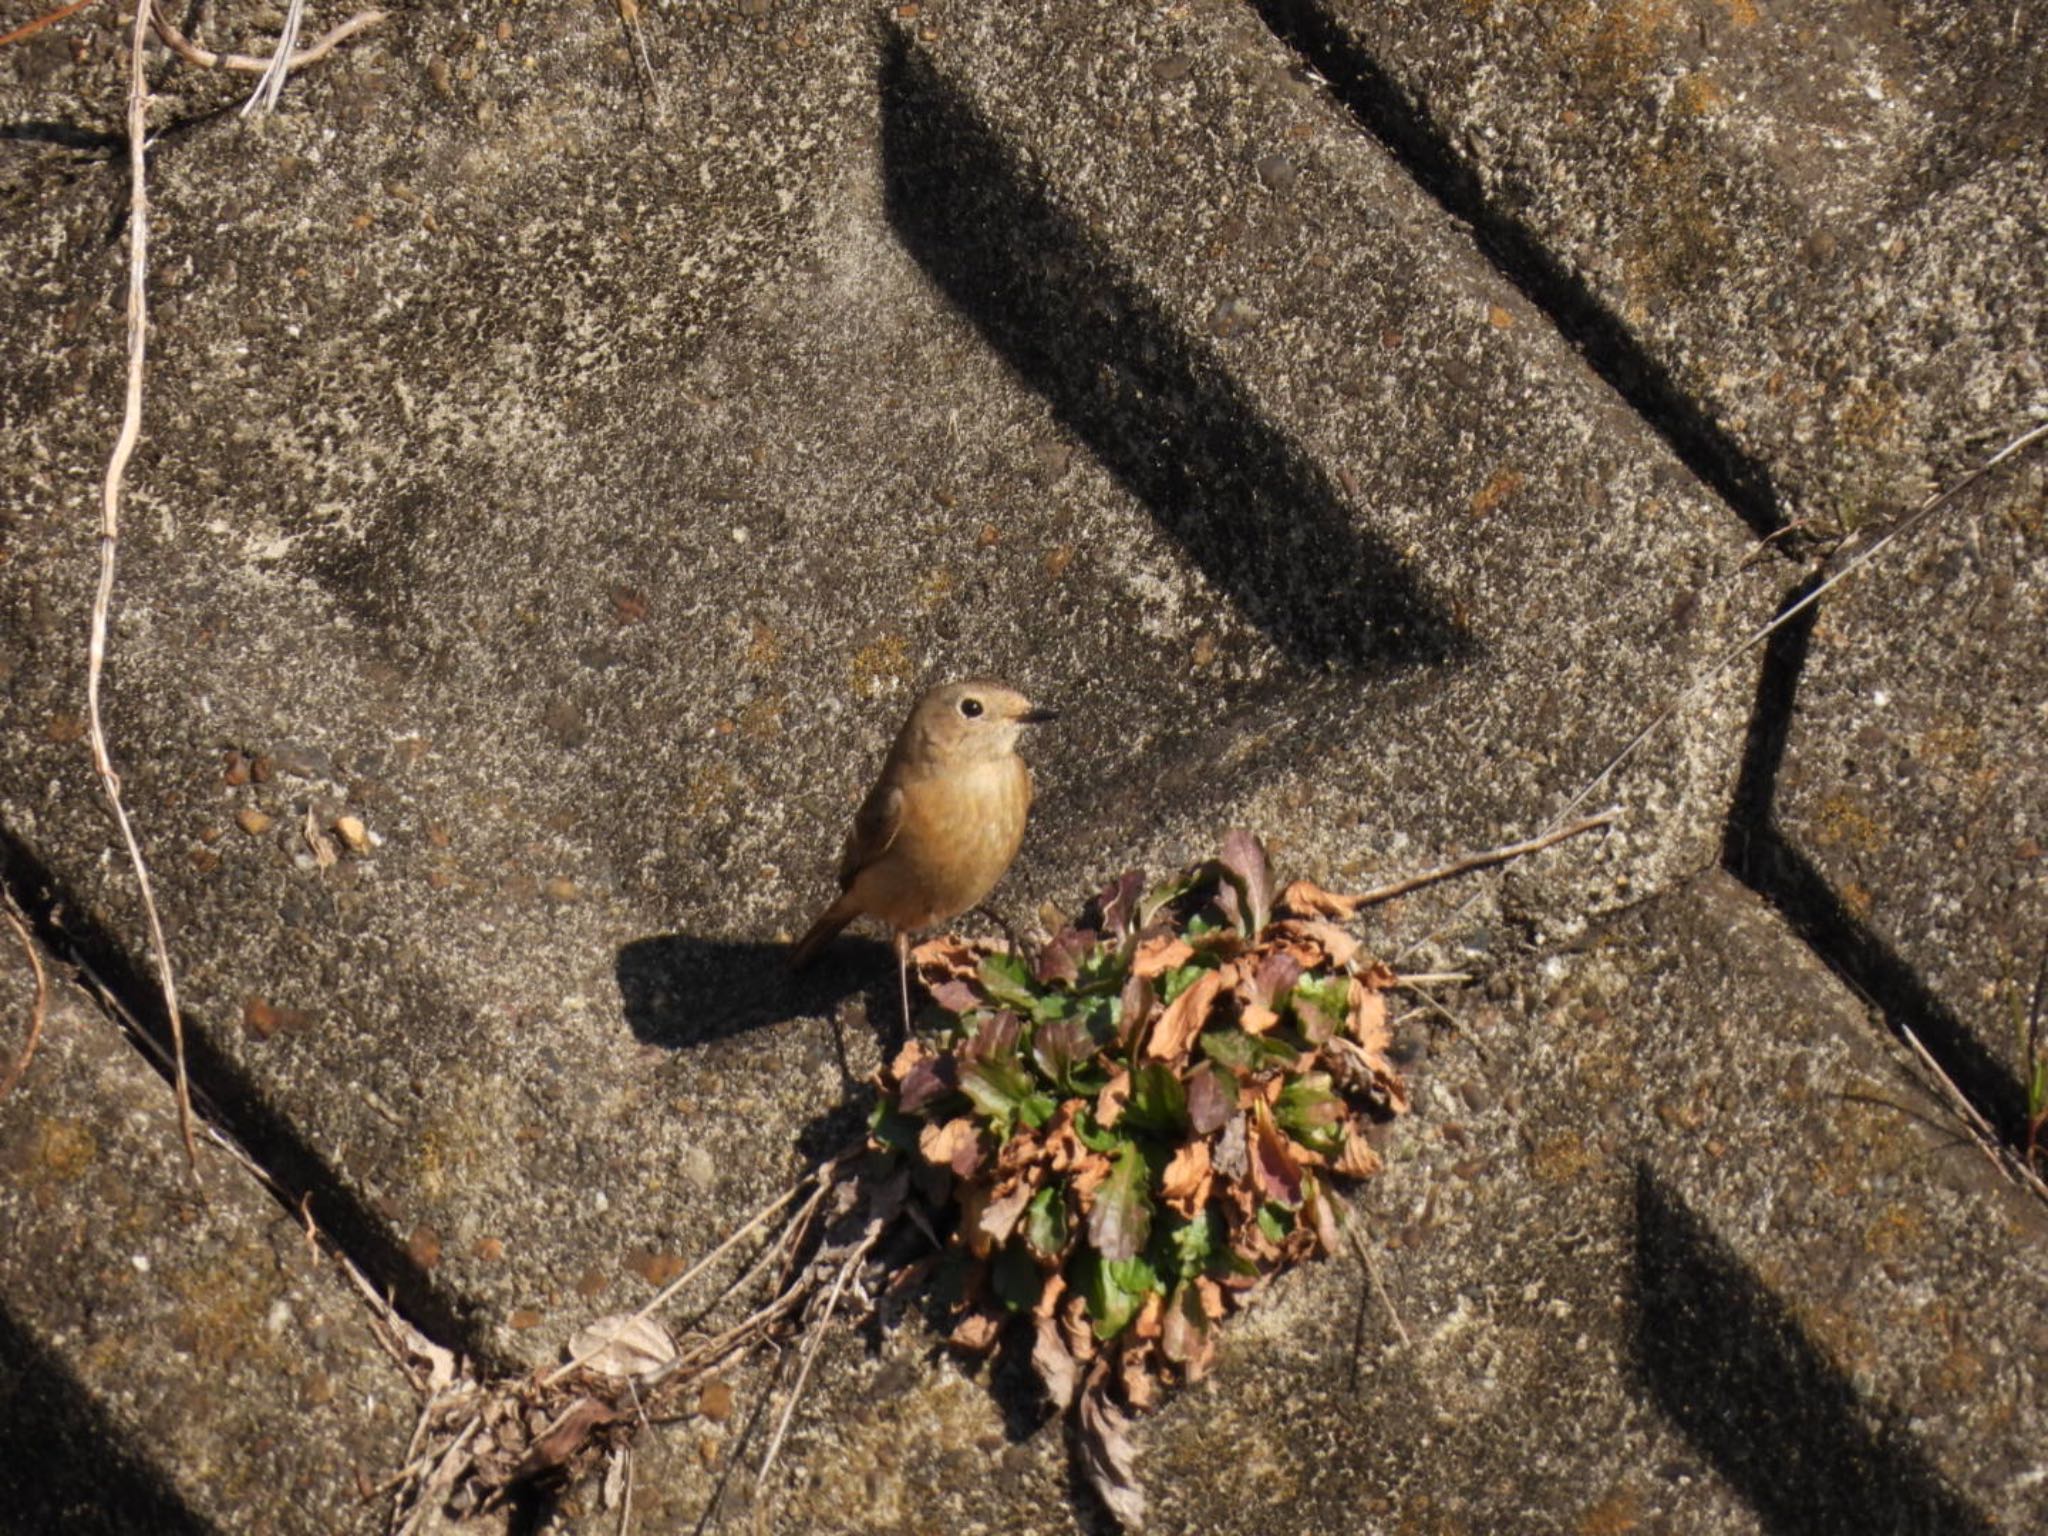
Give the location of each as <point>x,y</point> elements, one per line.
<point>37,1009</point>
<point>110,536</point>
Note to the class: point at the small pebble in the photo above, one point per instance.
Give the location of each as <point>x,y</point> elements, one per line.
<point>1278,173</point>
<point>253,821</point>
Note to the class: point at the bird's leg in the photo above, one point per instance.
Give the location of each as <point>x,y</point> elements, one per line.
<point>903,975</point>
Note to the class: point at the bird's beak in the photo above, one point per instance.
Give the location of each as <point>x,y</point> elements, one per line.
<point>1037,715</point>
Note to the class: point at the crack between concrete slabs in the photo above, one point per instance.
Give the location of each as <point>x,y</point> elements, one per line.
<point>226,1101</point>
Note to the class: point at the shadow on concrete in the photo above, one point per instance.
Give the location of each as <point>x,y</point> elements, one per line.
<point>1727,1363</point>
<point>1757,853</point>
<point>64,926</point>
<point>64,1468</point>
<point>1155,407</point>
<point>1425,150</point>
<point>681,991</point>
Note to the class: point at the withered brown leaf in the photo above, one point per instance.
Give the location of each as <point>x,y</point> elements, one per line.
<point>1174,1034</point>
<point>1161,953</point>
<point>1276,1171</point>
<point>1185,1184</point>
<point>1311,900</point>
<point>975,1332</point>
<point>1358,1160</point>
<point>1105,1450</point>
<point>956,1144</point>
<point>1058,1370</point>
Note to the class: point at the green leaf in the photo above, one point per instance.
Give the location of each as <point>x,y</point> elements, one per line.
<point>1121,1218</point>
<point>892,1128</point>
<point>1192,1244</point>
<point>1212,1099</point>
<point>1162,896</point>
<point>1276,1221</point>
<point>1045,1223</point>
<point>1320,1005</point>
<point>1094,1137</point>
<point>1005,1091</point>
<point>1312,1114</point>
<point>1035,1109</point>
<point>1244,865</point>
<point>1017,1279</point>
<point>1059,1046</point>
<point>1243,1053</point>
<point>1006,978</point>
<point>1111,1304</point>
<point>1178,980</point>
<point>1118,902</point>
<point>1158,1101</point>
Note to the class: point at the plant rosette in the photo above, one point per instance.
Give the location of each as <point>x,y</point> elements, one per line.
<point>1134,1129</point>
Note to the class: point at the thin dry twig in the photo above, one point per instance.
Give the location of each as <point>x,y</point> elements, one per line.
<point>110,533</point>
<point>29,29</point>
<point>1843,571</point>
<point>1981,1131</point>
<point>250,64</point>
<point>270,84</point>
<point>661,1297</point>
<point>818,1331</point>
<point>37,1009</point>
<point>1486,860</point>
<point>1372,1272</point>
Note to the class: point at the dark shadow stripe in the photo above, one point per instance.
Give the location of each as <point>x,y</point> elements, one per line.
<point>1757,853</point>
<point>65,1470</point>
<point>1383,108</point>
<point>1726,1362</point>
<point>1158,409</point>
<point>63,925</point>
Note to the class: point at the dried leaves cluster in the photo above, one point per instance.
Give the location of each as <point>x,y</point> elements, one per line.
<point>1134,1130</point>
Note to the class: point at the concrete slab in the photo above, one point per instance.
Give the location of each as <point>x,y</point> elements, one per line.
<point>1910,813</point>
<point>1793,234</point>
<point>168,1363</point>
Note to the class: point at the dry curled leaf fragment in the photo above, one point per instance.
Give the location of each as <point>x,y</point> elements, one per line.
<point>954,1144</point>
<point>975,1333</point>
<point>1311,900</point>
<point>1058,1371</point>
<point>1185,1183</point>
<point>1358,1160</point>
<point>1161,953</point>
<point>1174,1034</point>
<point>1107,1454</point>
<point>624,1345</point>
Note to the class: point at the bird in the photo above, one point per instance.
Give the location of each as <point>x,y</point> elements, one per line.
<point>942,823</point>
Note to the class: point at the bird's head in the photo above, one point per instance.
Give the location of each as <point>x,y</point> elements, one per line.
<point>973,721</point>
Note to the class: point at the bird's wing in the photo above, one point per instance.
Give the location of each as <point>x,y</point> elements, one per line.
<point>874,829</point>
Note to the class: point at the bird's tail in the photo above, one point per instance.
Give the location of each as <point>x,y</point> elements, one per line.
<point>820,933</point>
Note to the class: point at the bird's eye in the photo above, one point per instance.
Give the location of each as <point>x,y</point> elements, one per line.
<point>971,708</point>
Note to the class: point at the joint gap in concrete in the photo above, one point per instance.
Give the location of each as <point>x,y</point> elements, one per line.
<point>1378,103</point>
<point>225,1098</point>
<point>1758,853</point>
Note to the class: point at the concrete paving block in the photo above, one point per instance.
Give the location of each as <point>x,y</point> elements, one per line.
<point>1909,812</point>
<point>170,1361</point>
<point>1793,233</point>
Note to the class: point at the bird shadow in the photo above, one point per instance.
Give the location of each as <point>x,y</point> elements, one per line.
<point>681,991</point>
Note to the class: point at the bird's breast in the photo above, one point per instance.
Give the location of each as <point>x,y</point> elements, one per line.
<point>960,831</point>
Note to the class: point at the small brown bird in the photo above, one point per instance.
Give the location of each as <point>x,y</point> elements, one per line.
<point>943,821</point>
